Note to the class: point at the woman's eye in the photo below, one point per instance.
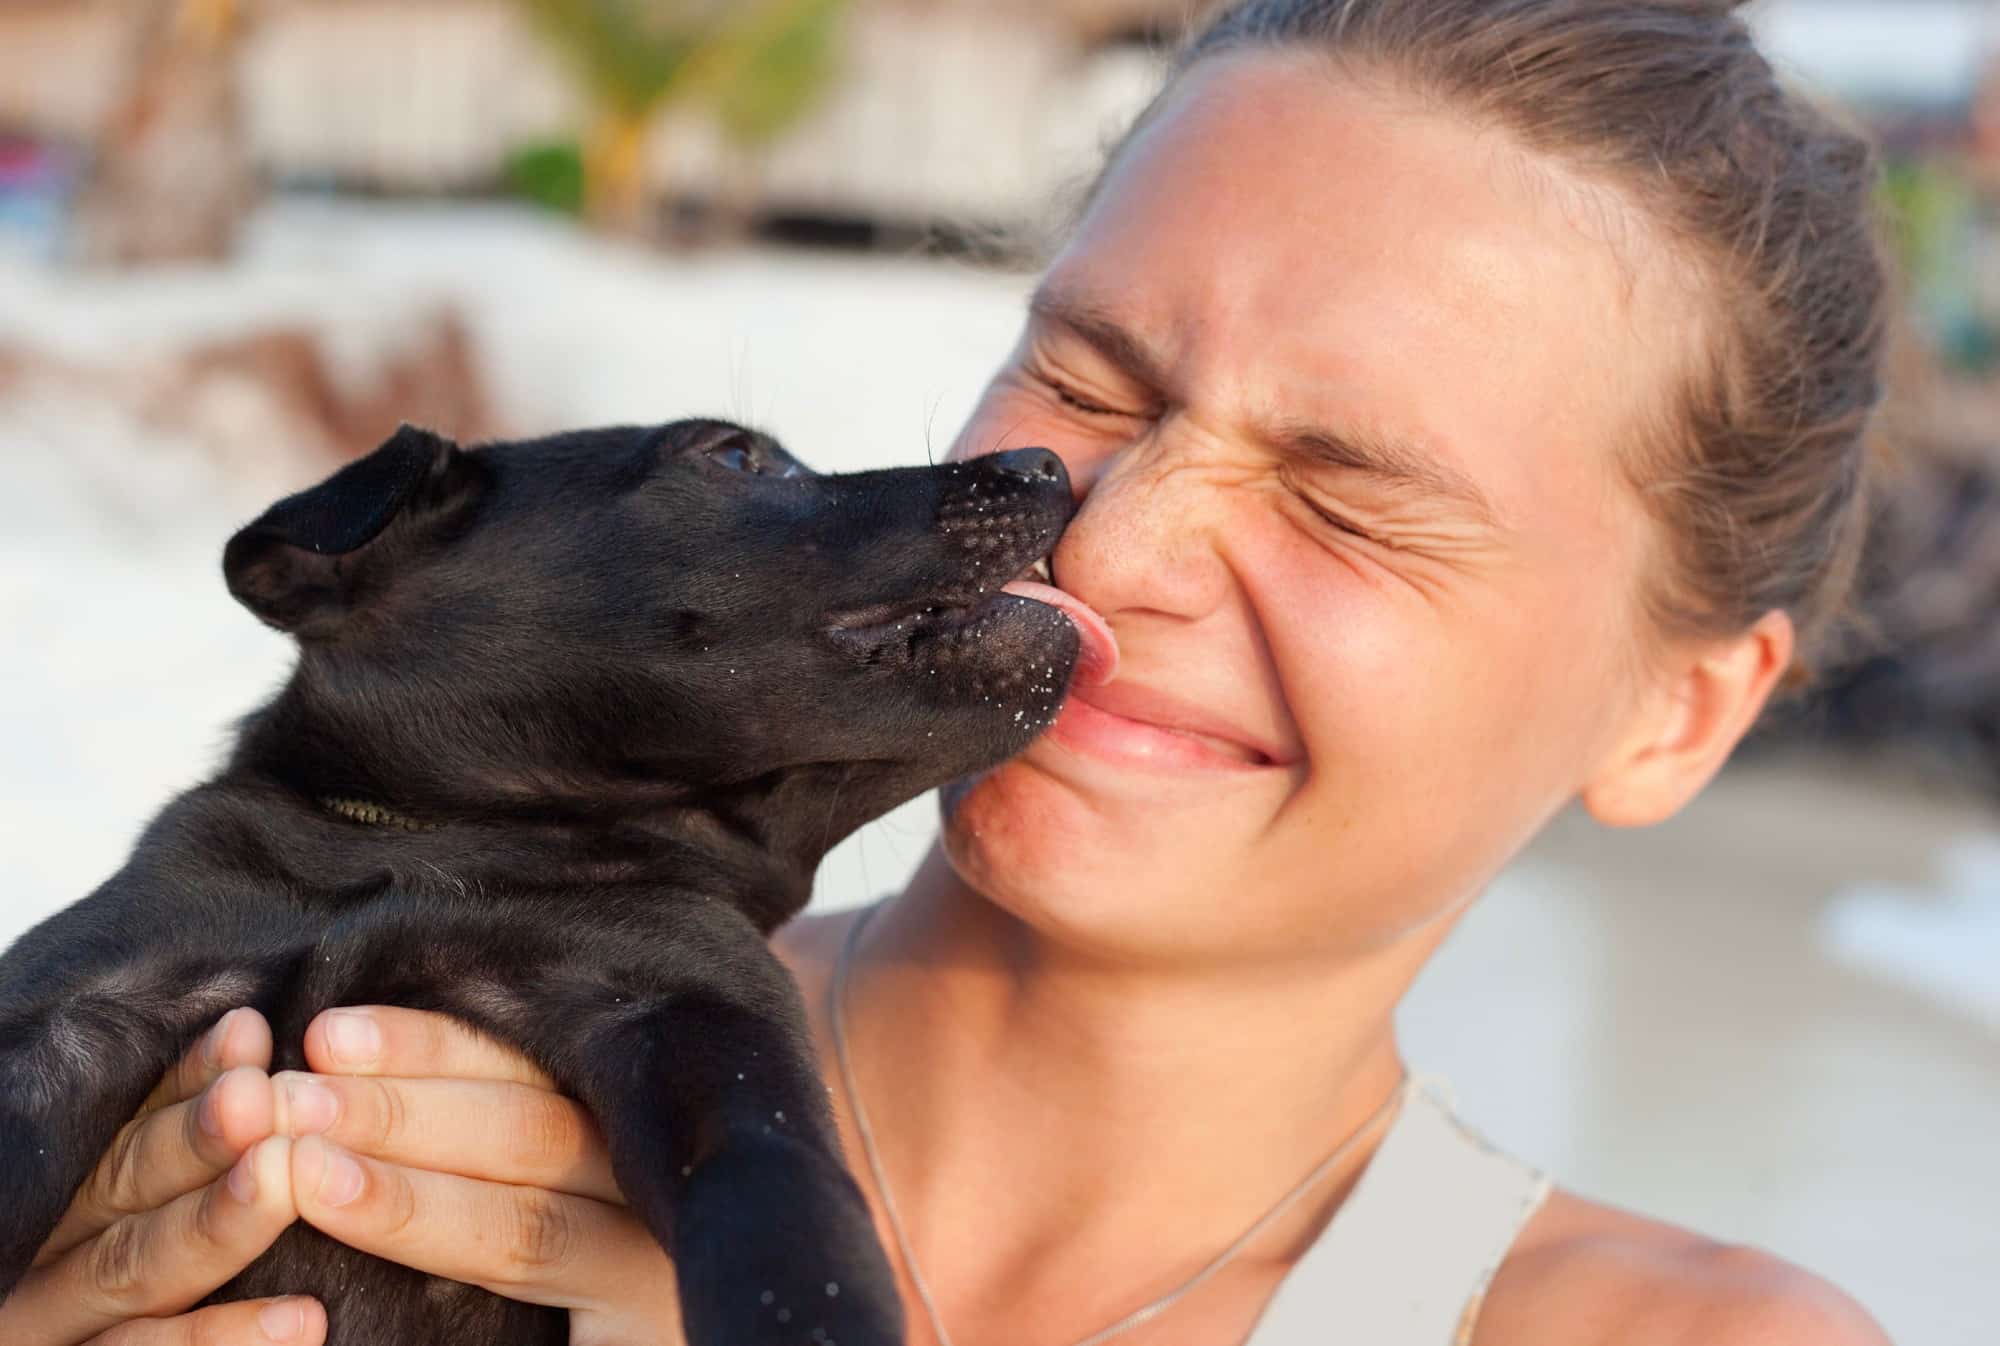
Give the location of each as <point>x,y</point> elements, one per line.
<point>1084,405</point>
<point>1338,522</point>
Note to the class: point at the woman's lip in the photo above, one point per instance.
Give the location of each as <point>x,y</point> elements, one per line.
<point>1149,729</point>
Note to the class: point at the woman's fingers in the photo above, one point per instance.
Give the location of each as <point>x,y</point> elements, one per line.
<point>413,1044</point>
<point>522,1242</point>
<point>160,1262</point>
<point>241,1037</point>
<point>527,1213</point>
<point>254,1322</point>
<point>200,1118</point>
<point>167,1153</point>
<point>527,1135</point>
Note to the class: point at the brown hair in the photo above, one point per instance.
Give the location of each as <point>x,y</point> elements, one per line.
<point>1759,480</point>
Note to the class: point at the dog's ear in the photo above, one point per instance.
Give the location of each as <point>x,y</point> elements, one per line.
<point>294,566</point>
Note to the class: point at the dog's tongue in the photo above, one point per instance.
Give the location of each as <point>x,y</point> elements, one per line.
<point>1097,661</point>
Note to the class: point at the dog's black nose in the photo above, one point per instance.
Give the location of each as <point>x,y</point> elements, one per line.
<point>1035,465</point>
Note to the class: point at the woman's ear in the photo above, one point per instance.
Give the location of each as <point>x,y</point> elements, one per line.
<point>1688,723</point>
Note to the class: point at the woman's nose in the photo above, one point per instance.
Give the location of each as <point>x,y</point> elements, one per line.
<point>1144,537</point>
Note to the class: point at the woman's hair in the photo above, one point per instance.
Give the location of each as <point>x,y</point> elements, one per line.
<point>1758,472</point>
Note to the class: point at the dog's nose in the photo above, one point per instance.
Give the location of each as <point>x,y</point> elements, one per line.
<point>1034,465</point>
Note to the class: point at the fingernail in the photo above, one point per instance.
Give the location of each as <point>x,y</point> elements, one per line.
<point>283,1319</point>
<point>211,1045</point>
<point>312,1107</point>
<point>208,1112</point>
<point>353,1038</point>
<point>339,1176</point>
<point>243,1181</point>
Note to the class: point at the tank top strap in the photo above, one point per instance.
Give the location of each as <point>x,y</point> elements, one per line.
<point>1407,1258</point>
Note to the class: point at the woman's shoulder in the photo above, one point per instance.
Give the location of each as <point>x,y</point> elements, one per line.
<point>1579,1273</point>
<point>1585,1274</point>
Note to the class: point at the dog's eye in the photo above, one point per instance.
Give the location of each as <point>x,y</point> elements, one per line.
<point>735,455</point>
<point>739,454</point>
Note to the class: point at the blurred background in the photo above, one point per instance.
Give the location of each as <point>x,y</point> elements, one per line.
<point>241,239</point>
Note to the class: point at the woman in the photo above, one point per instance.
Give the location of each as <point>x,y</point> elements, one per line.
<point>1466,399</point>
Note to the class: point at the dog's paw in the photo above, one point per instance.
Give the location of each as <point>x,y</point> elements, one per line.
<point>774,1247</point>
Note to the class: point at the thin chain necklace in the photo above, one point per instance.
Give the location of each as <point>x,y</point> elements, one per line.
<point>1144,1313</point>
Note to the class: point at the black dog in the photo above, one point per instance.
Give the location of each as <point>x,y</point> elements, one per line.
<point>573,721</point>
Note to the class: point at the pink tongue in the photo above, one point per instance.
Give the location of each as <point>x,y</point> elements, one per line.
<point>1097,662</point>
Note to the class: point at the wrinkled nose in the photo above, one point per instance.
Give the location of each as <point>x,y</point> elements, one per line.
<point>1036,466</point>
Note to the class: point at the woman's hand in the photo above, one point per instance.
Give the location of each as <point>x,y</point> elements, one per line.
<point>424,1143</point>
<point>191,1191</point>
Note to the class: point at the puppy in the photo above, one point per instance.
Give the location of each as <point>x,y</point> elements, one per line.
<point>572,723</point>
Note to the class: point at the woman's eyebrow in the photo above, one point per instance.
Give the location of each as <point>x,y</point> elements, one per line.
<point>1385,457</point>
<point>1090,321</point>
<point>1392,460</point>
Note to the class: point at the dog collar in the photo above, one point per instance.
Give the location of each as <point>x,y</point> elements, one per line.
<point>361,811</point>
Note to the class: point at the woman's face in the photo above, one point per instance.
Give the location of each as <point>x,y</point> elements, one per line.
<point>1340,380</point>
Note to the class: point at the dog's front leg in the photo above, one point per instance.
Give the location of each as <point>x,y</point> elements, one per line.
<point>85,1035</point>
<point>720,1135</point>
<point>687,1040</point>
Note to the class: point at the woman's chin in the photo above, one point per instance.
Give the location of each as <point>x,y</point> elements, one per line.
<point>1090,872</point>
<point>1012,828</point>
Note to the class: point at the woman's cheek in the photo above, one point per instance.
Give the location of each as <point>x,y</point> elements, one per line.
<point>1352,654</point>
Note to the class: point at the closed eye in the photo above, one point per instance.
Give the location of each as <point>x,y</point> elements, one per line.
<point>1303,490</point>
<point>1070,399</point>
<point>1086,406</point>
<point>1337,521</point>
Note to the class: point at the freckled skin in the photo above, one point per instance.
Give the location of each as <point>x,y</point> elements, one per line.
<point>1426,666</point>
<point>1128,1002</point>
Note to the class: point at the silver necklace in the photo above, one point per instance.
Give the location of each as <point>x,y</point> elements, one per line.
<point>1144,1313</point>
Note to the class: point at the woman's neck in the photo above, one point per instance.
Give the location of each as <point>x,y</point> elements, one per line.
<point>1106,1115</point>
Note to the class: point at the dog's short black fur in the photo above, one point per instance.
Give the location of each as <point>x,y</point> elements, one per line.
<point>606,699</point>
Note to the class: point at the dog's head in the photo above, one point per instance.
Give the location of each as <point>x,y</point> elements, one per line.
<point>636,615</point>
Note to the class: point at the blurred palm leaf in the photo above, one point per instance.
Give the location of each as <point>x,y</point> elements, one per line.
<point>775,67</point>
<point>757,65</point>
<point>630,54</point>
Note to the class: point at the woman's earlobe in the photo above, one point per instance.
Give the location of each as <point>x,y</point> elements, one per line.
<point>1690,724</point>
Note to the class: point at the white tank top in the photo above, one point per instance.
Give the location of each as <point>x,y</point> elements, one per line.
<point>1407,1258</point>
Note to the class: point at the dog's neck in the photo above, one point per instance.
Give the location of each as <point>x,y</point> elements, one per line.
<point>278,840</point>
<point>755,843</point>
<point>374,815</point>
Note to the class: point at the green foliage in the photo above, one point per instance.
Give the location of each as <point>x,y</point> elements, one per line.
<point>1926,202</point>
<point>783,64</point>
<point>629,53</point>
<point>1937,222</point>
<point>757,64</point>
<point>550,175</point>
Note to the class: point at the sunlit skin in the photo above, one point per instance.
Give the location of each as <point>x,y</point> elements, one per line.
<point>1433,672</point>
<point>1148,978</point>
<point>1352,505</point>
